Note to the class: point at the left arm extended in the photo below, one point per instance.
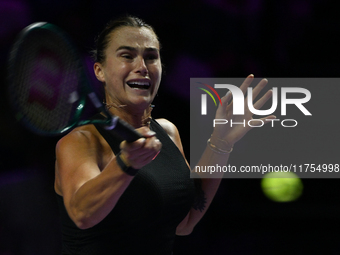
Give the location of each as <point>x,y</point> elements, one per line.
<point>222,141</point>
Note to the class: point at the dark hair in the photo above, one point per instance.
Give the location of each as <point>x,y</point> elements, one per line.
<point>103,38</point>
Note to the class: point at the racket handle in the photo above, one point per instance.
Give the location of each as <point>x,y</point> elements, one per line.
<point>125,130</point>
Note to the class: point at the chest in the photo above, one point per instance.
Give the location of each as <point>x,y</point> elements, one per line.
<point>162,191</point>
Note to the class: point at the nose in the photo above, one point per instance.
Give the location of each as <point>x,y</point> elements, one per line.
<point>141,67</point>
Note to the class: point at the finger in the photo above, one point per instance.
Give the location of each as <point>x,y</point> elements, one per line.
<point>226,98</point>
<point>132,146</point>
<point>146,132</point>
<point>154,144</point>
<point>225,101</point>
<point>136,160</point>
<point>143,159</point>
<point>259,87</point>
<point>258,105</point>
<point>150,148</point>
<point>247,83</point>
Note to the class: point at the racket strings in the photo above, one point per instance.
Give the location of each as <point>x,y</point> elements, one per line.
<point>46,81</point>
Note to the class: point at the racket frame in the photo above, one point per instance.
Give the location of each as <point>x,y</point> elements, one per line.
<point>84,90</point>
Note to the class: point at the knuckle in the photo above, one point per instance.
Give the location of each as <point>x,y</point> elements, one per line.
<point>122,145</point>
<point>159,145</point>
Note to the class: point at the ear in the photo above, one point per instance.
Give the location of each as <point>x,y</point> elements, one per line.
<point>99,71</point>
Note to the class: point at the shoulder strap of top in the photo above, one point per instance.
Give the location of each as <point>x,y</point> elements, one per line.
<point>114,140</point>
<point>111,137</point>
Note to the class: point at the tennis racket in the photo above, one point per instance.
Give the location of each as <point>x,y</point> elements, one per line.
<point>49,87</point>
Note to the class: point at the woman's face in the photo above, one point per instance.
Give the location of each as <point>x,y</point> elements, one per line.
<point>132,67</point>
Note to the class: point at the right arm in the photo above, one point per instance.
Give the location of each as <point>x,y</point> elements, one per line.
<point>90,189</point>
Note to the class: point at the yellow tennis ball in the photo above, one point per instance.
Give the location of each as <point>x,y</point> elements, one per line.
<point>281,186</point>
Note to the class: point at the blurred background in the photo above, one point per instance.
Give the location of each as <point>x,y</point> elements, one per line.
<point>201,38</point>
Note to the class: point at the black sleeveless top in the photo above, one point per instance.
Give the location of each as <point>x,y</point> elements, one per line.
<point>145,218</point>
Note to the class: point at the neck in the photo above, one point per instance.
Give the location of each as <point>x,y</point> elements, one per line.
<point>135,118</point>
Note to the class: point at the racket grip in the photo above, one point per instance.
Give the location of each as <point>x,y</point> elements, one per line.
<point>125,130</point>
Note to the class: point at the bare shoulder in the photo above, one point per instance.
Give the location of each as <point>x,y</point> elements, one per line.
<point>83,143</point>
<point>80,156</point>
<point>169,128</point>
<point>85,135</point>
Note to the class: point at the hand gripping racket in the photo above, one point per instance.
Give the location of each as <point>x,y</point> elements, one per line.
<point>48,84</point>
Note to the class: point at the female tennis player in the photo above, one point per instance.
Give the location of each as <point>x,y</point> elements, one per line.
<point>133,198</point>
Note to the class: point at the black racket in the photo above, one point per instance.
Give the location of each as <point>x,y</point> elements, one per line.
<point>48,84</point>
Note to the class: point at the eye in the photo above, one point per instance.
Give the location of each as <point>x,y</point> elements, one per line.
<point>153,56</point>
<point>127,56</point>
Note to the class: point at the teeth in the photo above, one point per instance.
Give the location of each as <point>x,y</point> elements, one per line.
<point>139,83</point>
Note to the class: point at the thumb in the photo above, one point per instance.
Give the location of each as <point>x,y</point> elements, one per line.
<point>146,132</point>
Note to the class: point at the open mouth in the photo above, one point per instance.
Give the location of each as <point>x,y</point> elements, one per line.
<point>139,84</point>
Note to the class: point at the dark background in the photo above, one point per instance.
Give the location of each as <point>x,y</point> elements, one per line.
<point>202,38</point>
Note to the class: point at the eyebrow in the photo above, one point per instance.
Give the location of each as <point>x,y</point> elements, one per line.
<point>149,49</point>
